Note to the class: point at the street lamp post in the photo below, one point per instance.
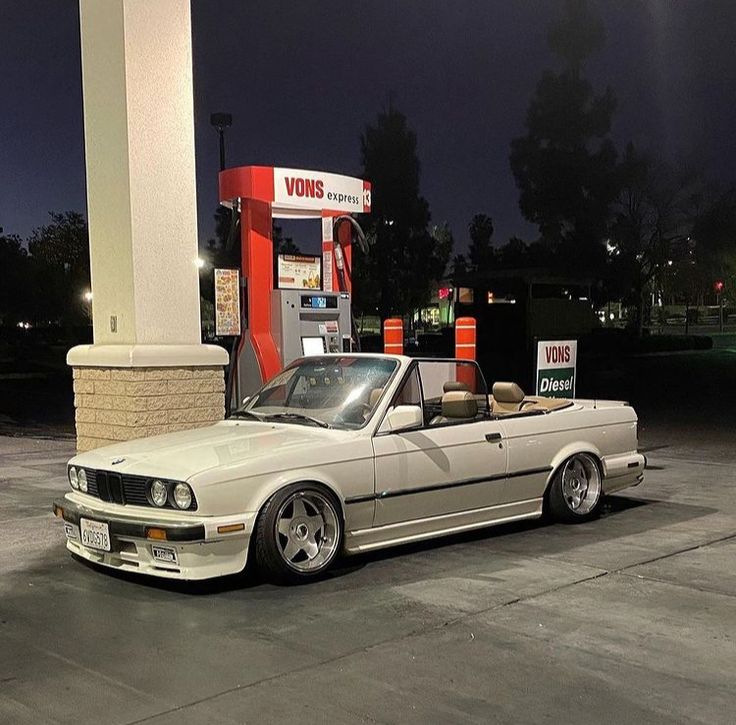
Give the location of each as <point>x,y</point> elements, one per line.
<point>221,121</point>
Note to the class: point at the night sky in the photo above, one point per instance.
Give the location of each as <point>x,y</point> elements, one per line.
<point>303,78</point>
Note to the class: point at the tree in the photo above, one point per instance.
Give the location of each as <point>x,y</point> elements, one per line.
<point>459,269</point>
<point>480,250</point>
<point>59,253</point>
<point>565,164</point>
<point>577,35</point>
<point>514,254</point>
<point>654,210</point>
<point>15,289</point>
<point>443,244</point>
<point>396,276</point>
<point>714,239</point>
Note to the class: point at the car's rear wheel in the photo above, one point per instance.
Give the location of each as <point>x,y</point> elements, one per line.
<point>299,533</point>
<point>576,492</point>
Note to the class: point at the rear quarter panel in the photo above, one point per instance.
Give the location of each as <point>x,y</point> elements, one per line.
<point>540,441</point>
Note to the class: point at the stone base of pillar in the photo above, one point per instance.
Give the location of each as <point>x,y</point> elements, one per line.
<point>123,392</point>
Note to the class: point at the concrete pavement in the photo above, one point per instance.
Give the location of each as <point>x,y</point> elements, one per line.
<point>631,618</point>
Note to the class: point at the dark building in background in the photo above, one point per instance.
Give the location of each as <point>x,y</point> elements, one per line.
<point>514,308</point>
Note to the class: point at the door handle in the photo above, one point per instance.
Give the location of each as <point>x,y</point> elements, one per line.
<point>493,437</point>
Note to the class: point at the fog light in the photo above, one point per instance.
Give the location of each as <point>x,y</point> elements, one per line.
<point>82,478</point>
<point>182,495</point>
<point>159,493</point>
<point>74,478</point>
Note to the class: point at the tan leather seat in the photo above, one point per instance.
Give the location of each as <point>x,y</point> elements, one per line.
<point>507,398</point>
<point>457,405</point>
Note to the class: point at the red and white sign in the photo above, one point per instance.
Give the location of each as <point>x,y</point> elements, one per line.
<point>556,368</point>
<point>302,189</point>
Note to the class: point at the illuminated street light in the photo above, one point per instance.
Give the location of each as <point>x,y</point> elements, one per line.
<point>87,296</point>
<point>200,263</point>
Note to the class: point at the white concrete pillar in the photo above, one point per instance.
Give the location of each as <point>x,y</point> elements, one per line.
<point>141,203</point>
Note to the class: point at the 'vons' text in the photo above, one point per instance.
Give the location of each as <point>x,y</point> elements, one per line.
<point>557,354</point>
<point>296,186</point>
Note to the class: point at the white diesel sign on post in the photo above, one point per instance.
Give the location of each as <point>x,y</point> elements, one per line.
<point>556,366</point>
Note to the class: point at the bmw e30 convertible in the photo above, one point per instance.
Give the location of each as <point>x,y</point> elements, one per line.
<point>340,454</point>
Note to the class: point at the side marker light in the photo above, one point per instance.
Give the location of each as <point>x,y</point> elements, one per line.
<point>230,528</point>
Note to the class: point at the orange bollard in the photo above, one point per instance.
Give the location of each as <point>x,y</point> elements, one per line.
<point>393,336</point>
<point>465,350</point>
<point>465,338</point>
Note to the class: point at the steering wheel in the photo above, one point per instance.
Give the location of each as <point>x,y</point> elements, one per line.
<point>356,413</point>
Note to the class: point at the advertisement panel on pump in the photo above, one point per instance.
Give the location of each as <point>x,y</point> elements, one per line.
<point>227,302</point>
<point>298,271</point>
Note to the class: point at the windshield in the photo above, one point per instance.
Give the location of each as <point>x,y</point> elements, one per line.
<point>335,392</point>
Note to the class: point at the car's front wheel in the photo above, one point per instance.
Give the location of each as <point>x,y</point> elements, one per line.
<point>299,533</point>
<point>576,492</point>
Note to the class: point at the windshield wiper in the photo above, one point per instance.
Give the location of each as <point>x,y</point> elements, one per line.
<point>245,414</point>
<point>298,417</point>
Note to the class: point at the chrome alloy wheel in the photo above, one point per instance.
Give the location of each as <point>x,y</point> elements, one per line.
<point>307,531</point>
<point>581,484</point>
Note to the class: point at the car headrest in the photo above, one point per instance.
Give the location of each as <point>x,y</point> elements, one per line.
<point>459,404</point>
<point>451,385</point>
<point>507,393</point>
<point>374,396</point>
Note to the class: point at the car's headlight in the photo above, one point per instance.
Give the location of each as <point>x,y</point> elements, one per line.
<point>159,493</point>
<point>73,478</point>
<point>182,495</point>
<point>82,479</point>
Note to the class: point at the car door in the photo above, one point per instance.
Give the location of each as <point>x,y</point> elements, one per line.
<point>531,443</point>
<point>446,466</point>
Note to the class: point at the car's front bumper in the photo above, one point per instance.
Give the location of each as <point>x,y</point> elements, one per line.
<point>200,551</point>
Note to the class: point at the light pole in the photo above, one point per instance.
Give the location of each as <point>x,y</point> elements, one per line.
<point>221,121</point>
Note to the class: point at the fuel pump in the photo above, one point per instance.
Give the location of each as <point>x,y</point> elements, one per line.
<point>281,325</point>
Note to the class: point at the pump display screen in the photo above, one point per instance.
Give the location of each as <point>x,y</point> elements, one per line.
<point>313,346</point>
<point>319,302</point>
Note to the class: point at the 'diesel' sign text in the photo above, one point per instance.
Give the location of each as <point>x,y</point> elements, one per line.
<point>556,364</point>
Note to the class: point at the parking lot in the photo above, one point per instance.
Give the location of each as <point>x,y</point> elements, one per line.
<point>631,618</point>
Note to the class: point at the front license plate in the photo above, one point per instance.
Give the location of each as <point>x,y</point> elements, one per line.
<point>164,553</point>
<point>95,534</point>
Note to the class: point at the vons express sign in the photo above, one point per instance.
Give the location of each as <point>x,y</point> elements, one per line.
<point>556,364</point>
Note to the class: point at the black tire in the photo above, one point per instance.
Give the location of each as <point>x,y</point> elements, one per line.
<point>273,545</point>
<point>577,481</point>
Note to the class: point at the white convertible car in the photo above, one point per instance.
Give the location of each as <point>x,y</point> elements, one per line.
<point>341,454</point>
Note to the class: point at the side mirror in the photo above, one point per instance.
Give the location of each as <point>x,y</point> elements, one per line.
<point>404,417</point>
